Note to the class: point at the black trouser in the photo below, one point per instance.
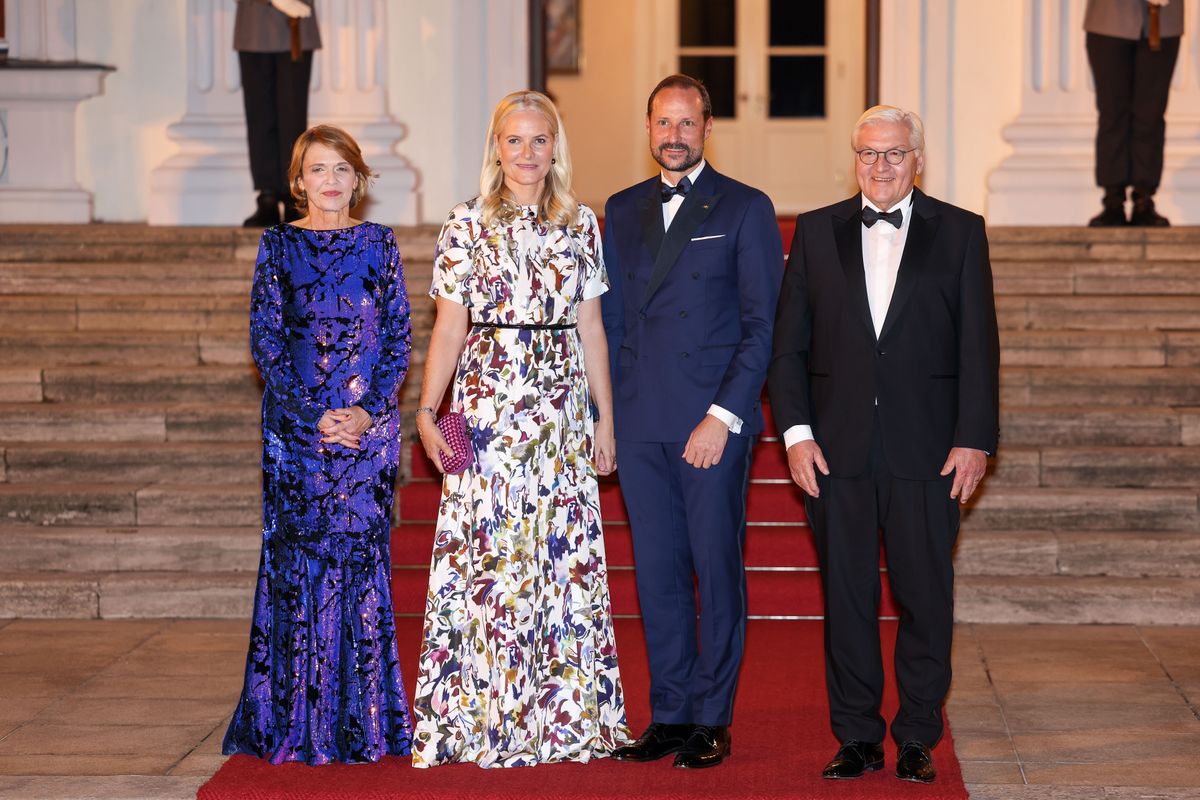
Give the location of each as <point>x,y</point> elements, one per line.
<point>275,94</point>
<point>1132,85</point>
<point>920,523</point>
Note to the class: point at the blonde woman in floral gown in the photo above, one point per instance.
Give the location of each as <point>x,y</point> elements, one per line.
<point>518,663</point>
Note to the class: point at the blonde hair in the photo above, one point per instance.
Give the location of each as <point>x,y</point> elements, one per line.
<point>874,114</point>
<point>557,204</point>
<point>340,142</point>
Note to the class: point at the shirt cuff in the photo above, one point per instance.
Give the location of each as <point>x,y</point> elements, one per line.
<point>734,423</point>
<point>797,434</point>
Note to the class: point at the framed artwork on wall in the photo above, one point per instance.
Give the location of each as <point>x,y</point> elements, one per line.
<point>562,37</point>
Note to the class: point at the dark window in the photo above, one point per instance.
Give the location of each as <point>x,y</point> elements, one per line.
<point>707,23</point>
<point>797,86</point>
<point>717,74</point>
<point>797,23</point>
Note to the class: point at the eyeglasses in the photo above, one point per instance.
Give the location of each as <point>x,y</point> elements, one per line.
<point>895,156</point>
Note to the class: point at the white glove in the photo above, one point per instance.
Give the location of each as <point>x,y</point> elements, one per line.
<point>293,8</point>
<point>1157,2</point>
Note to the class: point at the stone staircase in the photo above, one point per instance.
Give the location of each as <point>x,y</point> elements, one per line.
<point>129,425</point>
<point>130,484</point>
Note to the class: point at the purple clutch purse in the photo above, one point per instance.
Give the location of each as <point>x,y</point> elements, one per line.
<point>454,427</point>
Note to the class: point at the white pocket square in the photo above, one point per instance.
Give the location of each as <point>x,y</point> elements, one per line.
<point>703,238</point>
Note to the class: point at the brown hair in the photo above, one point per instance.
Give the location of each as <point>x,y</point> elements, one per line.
<point>682,82</point>
<point>344,145</point>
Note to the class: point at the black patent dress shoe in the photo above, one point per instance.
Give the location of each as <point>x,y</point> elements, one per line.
<point>853,759</point>
<point>706,747</point>
<point>915,763</point>
<point>266,212</point>
<point>659,740</point>
<point>1145,215</point>
<point>1110,217</point>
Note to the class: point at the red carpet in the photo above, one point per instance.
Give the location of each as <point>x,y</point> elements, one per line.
<point>781,740</point>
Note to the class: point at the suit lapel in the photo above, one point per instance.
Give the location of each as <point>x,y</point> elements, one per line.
<point>921,231</point>
<point>697,205</point>
<point>847,232</point>
<point>650,211</point>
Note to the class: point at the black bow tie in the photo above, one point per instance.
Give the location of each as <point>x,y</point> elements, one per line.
<point>683,187</point>
<point>870,216</point>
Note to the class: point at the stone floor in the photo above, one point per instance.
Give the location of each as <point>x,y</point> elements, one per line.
<point>137,708</point>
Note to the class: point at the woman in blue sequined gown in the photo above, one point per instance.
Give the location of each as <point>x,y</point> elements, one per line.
<point>329,331</point>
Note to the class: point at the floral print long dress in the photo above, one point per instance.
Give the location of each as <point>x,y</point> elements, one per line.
<point>329,328</point>
<point>518,663</point>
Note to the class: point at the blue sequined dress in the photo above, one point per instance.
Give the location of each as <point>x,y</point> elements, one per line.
<point>329,328</point>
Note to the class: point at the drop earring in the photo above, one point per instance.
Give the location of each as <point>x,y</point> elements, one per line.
<point>497,162</point>
<point>554,161</point>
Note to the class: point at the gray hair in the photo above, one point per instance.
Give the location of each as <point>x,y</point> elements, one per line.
<point>877,114</point>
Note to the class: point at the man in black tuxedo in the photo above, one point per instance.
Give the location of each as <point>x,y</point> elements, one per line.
<point>885,381</point>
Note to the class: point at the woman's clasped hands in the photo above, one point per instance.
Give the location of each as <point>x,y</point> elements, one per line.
<point>344,426</point>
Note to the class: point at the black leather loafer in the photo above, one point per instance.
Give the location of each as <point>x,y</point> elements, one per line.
<point>706,747</point>
<point>853,759</point>
<point>915,763</point>
<point>659,740</point>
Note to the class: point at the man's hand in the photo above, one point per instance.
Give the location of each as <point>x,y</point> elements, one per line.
<point>707,442</point>
<point>293,8</point>
<point>804,459</point>
<point>968,466</point>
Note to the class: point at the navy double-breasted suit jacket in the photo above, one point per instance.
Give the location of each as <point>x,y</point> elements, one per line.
<point>689,311</point>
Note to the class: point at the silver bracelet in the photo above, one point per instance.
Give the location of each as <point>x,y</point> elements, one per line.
<point>427,410</point>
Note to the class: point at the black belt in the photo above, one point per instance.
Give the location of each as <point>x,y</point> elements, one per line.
<point>558,326</point>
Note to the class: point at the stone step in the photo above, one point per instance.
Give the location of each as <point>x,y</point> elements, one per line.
<point>1099,386</point>
<point>1092,237</point>
<point>111,548</point>
<point>189,384</point>
<point>69,422</point>
<point>140,462</point>
<point>1139,467</point>
<point>130,422</point>
<point>115,595</point>
<point>79,348</point>
<point>1077,600</point>
<point>1083,349</point>
<point>138,242</point>
<point>231,278</point>
<point>978,598</point>
<point>1018,508</point>
<point>1090,426</point>
<point>1183,349</point>
<point>1131,554</point>
<point>157,313</point>
<point>214,422</point>
<point>1149,313</point>
<point>1041,274</point>
<point>30,313</point>
<point>20,385</point>
<point>127,504</point>
<point>69,503</point>
<point>223,505</point>
<point>1140,277</point>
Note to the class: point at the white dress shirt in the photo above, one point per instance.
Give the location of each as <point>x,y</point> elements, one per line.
<point>670,209</point>
<point>882,247</point>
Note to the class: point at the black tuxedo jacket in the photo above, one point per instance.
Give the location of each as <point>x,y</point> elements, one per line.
<point>934,368</point>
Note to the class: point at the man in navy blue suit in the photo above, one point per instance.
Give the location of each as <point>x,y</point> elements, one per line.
<point>694,265</point>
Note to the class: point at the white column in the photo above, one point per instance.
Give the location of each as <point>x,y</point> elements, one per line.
<point>208,181</point>
<point>38,97</point>
<point>917,72</point>
<point>1049,178</point>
